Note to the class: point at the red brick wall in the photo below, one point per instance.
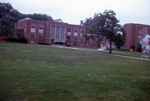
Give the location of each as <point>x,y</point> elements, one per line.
<point>132,35</point>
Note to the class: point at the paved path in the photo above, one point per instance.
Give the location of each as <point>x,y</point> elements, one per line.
<point>95,51</point>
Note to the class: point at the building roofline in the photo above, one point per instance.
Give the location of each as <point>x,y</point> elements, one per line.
<point>135,24</point>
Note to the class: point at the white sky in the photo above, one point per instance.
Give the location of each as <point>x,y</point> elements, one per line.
<point>72,11</point>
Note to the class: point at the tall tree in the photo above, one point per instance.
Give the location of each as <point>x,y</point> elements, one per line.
<point>105,25</point>
<point>6,8</point>
<point>7,26</point>
<point>119,40</point>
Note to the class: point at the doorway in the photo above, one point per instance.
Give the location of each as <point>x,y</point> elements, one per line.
<point>52,41</point>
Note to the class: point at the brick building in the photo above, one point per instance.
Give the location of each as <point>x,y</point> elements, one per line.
<point>51,32</point>
<point>134,34</point>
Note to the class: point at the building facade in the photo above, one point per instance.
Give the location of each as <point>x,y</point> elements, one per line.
<point>56,31</point>
<point>52,32</point>
<point>134,34</point>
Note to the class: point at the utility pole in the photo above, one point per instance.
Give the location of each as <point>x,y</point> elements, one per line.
<point>64,40</point>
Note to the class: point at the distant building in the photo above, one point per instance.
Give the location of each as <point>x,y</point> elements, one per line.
<point>134,34</point>
<point>52,32</point>
<point>57,31</point>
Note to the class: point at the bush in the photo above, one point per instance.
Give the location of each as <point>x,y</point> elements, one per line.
<point>99,45</point>
<point>22,39</point>
<point>67,44</point>
<point>60,43</point>
<point>12,39</point>
<point>41,43</point>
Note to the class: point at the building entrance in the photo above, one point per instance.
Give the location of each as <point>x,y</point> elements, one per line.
<point>52,41</point>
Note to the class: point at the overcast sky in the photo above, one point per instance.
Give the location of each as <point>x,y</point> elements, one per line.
<point>72,11</point>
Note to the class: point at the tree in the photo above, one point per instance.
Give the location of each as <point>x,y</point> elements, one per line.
<point>7,26</point>
<point>119,40</point>
<point>104,24</point>
<point>41,17</point>
<point>6,8</point>
<point>87,22</point>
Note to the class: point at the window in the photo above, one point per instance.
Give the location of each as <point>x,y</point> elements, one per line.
<point>32,34</point>
<point>18,33</point>
<point>39,41</point>
<point>31,41</point>
<point>69,29</point>
<point>140,32</point>
<point>32,25</point>
<point>139,36</point>
<point>62,31</point>
<point>40,35</point>
<point>75,37</point>
<point>76,30</point>
<point>126,26</point>
<point>81,38</point>
<point>146,32</point>
<point>140,26</point>
<point>68,44</point>
<point>41,26</point>
<point>57,31</point>
<point>52,31</point>
<point>82,30</point>
<point>19,26</point>
<point>81,44</point>
<point>75,33</point>
<point>81,34</point>
<point>25,25</point>
<point>146,27</point>
<point>68,37</point>
<point>87,45</point>
<point>93,45</point>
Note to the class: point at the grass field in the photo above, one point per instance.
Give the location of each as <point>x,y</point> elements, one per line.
<point>46,73</point>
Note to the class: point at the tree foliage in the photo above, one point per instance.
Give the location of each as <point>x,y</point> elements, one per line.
<point>119,40</point>
<point>6,8</point>
<point>104,25</point>
<point>7,26</point>
<point>36,16</point>
<point>9,16</point>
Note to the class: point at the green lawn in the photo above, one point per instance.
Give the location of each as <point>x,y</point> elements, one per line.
<point>46,73</point>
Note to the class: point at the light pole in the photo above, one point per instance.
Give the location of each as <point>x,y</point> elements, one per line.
<point>64,40</point>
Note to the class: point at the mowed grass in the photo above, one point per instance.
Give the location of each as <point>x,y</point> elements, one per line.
<point>46,73</point>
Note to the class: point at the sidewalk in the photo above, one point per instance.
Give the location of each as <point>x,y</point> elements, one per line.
<point>96,51</point>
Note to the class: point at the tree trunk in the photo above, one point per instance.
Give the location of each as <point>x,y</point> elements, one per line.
<point>110,46</point>
<point>6,39</point>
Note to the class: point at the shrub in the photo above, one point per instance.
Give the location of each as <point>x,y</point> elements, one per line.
<point>60,43</point>
<point>67,44</point>
<point>22,39</point>
<point>12,39</point>
<point>98,45</point>
<point>41,43</point>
